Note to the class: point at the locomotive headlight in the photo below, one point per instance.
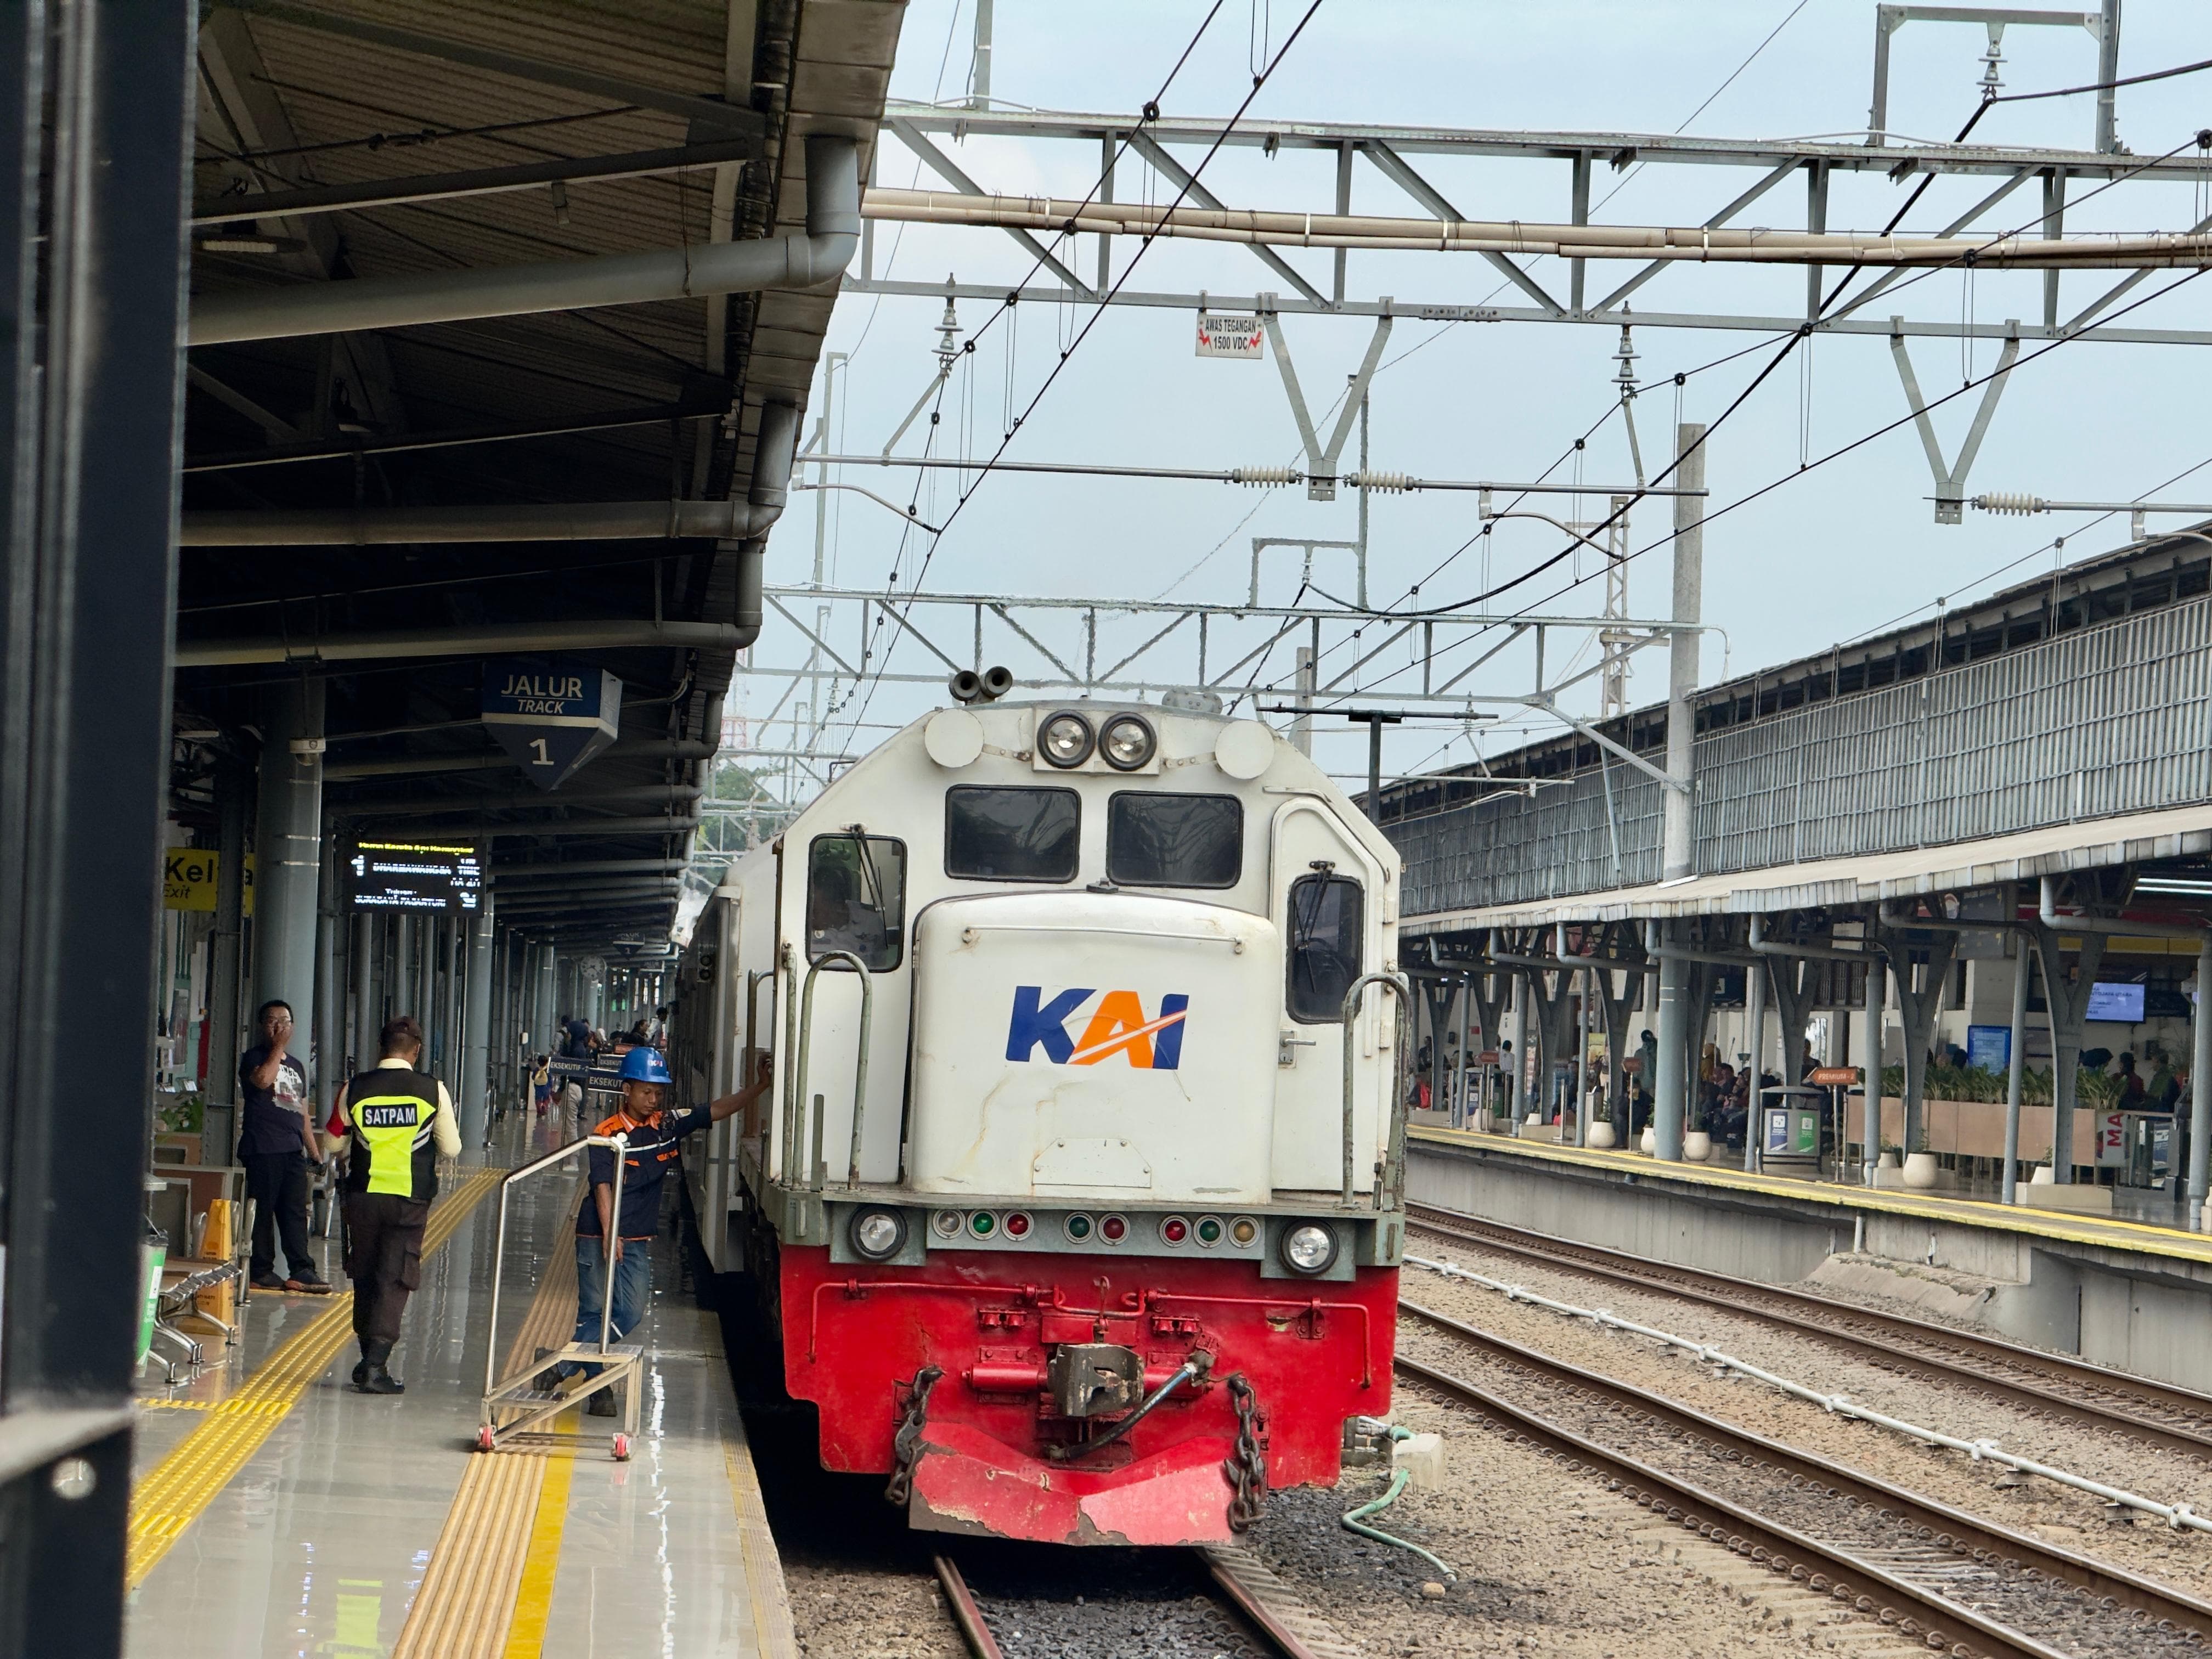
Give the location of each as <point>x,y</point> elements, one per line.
<point>1127,743</point>
<point>1065,740</point>
<point>1309,1248</point>
<point>879,1234</point>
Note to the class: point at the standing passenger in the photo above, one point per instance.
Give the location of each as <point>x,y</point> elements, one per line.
<point>400,1121</point>
<point>276,1145</point>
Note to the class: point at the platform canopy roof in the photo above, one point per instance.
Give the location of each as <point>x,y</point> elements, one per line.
<point>407,149</point>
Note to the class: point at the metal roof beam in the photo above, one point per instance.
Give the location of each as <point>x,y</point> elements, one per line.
<point>477,181</point>
<point>390,645</point>
<point>237,459</point>
<point>710,112</point>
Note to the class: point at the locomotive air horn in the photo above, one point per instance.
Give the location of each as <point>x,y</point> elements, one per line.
<point>966,686</point>
<point>996,682</point>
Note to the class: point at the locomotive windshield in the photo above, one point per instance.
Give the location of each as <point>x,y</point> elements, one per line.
<point>1012,834</point>
<point>1174,840</point>
<point>856,898</point>
<point>1324,945</point>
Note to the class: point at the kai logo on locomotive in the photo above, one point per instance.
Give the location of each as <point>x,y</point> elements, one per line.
<point>1119,1025</point>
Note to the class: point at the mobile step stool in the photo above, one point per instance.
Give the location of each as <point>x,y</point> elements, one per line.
<point>518,1407</point>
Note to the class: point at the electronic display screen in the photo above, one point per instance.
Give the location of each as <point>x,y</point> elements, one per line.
<point>417,875</point>
<point>2121,1004</point>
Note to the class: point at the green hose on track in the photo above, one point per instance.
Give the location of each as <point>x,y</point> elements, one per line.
<point>1354,1520</point>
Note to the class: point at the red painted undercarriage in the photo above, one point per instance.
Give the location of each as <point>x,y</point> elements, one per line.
<point>856,1338</point>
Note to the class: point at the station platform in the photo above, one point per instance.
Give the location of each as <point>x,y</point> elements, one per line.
<point>2122,1291</point>
<point>276,1511</point>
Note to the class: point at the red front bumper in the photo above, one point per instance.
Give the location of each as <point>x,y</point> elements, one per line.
<point>854,1337</point>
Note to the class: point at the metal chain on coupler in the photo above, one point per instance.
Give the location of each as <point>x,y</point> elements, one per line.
<point>906,1445</point>
<point>1247,1469</point>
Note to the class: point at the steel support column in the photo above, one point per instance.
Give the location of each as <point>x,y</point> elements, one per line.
<point>95,119</point>
<point>1678,848</point>
<point>287,848</point>
<point>1670,1090</point>
<point>1870,1115</point>
<point>2200,1090</point>
<point>1754,1019</point>
<point>2023,964</point>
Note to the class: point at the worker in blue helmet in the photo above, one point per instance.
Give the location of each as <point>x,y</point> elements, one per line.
<point>616,1251</point>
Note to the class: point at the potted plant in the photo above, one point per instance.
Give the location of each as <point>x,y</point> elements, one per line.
<point>1920,1165</point>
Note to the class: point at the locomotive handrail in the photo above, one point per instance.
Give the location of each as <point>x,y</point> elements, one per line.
<point>1351,1001</point>
<point>620,1145</point>
<point>816,1175</point>
<point>788,993</point>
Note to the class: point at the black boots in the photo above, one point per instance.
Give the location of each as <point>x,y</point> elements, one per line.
<point>370,1376</point>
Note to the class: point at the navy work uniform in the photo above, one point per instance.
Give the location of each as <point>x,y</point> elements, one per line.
<point>400,1121</point>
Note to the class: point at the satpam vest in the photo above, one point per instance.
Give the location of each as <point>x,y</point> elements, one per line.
<point>393,1152</point>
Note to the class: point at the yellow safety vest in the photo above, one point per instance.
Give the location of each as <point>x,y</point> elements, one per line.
<point>393,1111</point>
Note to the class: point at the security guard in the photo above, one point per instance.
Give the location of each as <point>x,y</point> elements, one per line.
<point>400,1121</point>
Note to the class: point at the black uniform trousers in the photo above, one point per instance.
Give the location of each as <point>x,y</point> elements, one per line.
<point>277,1184</point>
<point>383,1259</point>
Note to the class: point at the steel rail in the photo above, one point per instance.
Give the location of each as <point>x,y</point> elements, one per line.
<point>1965,1530</point>
<point>1879,1334</point>
<point>1247,1608</point>
<point>1826,1567</point>
<point>960,1602</point>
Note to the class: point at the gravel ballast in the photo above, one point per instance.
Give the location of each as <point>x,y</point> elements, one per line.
<point>2072,1520</point>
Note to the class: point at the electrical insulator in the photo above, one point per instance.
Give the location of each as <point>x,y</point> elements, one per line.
<point>1261,476</point>
<point>2004,503</point>
<point>948,336</point>
<point>1390,483</point>
<point>1625,380</point>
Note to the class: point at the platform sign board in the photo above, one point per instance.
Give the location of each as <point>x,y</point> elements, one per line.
<point>551,713</point>
<point>2117,1003</point>
<point>432,873</point>
<point>1230,337</point>
<point>189,877</point>
<point>1990,1047</point>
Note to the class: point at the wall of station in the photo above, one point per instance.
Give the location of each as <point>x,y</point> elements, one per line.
<point>2107,720</point>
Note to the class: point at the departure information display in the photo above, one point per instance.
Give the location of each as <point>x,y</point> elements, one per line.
<point>417,875</point>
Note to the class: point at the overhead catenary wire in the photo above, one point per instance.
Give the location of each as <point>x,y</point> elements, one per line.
<point>1151,107</point>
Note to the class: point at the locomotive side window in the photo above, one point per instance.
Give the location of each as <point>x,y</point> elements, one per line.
<point>1323,928</point>
<point>1155,839</point>
<point>856,898</point>
<point>1011,834</point>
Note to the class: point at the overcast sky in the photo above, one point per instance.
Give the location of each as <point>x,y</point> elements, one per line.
<point>1844,550</point>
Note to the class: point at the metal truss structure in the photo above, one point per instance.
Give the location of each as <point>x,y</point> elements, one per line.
<point>1227,652</point>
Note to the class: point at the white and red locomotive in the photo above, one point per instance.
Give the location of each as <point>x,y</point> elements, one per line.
<point>1078,1197</point>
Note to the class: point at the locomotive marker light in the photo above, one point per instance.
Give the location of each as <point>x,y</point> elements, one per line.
<point>1076,1227</point>
<point>879,1234</point>
<point>1065,740</point>
<point>1174,1230</point>
<point>945,1224</point>
<point>1113,1229</point>
<point>953,738</point>
<point>1209,1230</point>
<point>1245,748</point>
<point>1309,1249</point>
<point>1127,743</point>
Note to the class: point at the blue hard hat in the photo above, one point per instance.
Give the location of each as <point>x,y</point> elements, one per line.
<point>643,1064</point>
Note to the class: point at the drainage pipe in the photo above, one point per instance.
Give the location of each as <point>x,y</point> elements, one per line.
<point>818,255</point>
<point>1765,947</point>
<point>2113,927</point>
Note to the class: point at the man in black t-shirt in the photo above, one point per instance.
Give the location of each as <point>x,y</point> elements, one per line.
<point>276,1145</point>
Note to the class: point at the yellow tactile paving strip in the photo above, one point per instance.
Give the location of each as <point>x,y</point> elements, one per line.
<point>176,1490</point>
<point>771,1597</point>
<point>489,1583</point>
<point>2112,1234</point>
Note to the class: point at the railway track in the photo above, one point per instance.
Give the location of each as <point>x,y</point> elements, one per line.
<point>1251,1603</point>
<point>1956,1582</point>
<point>2045,1384</point>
